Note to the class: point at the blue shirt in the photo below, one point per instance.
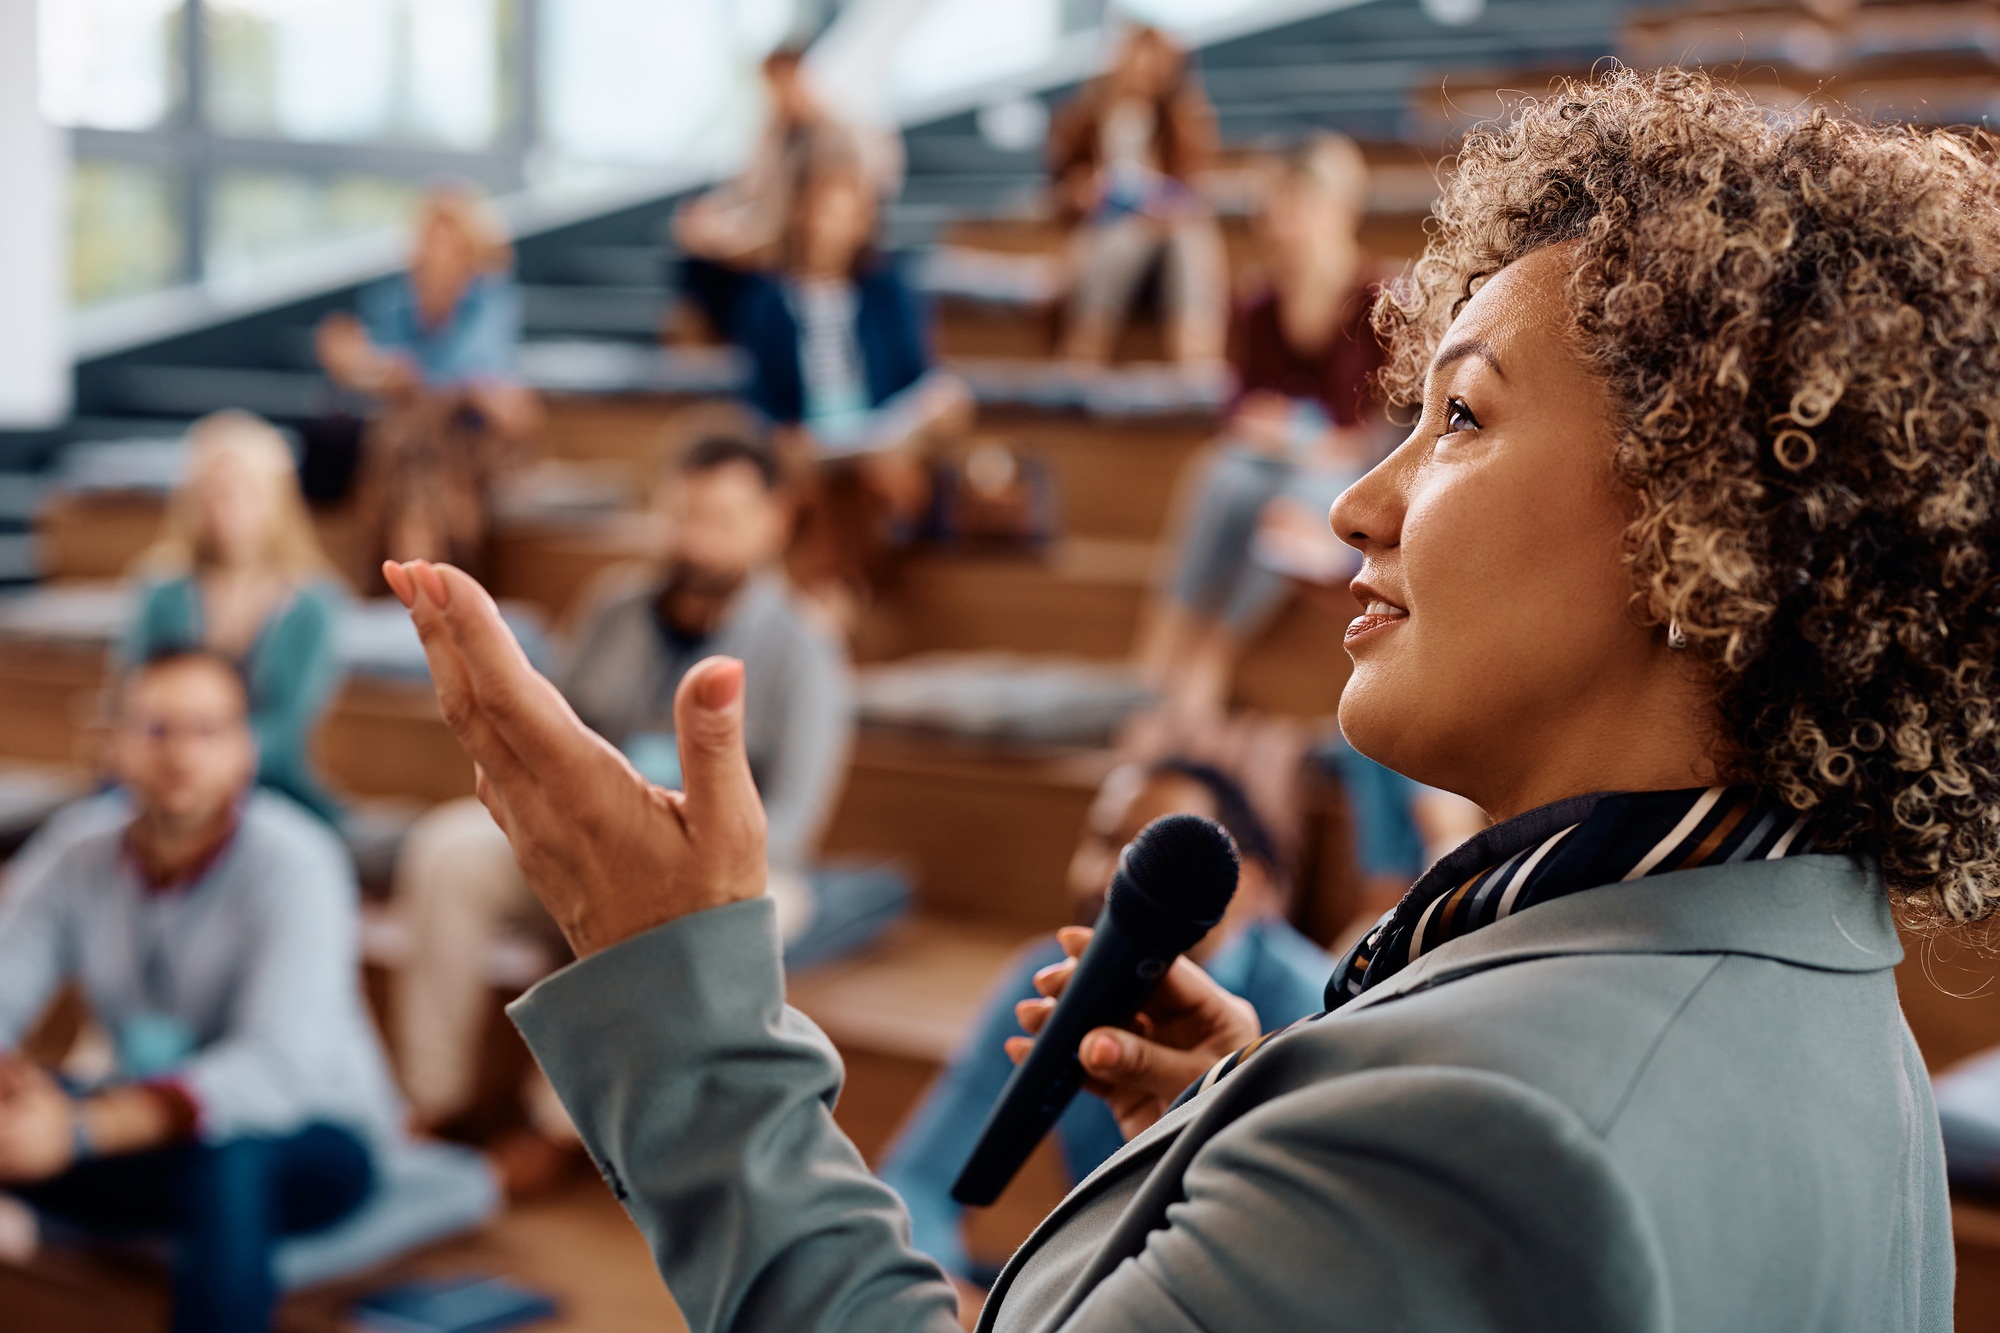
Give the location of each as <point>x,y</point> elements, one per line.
<point>476,343</point>
<point>1281,973</point>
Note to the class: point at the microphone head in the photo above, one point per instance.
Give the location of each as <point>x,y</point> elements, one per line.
<point>1174,880</point>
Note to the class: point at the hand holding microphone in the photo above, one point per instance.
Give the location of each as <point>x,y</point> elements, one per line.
<point>1190,1023</point>
<point>1173,885</point>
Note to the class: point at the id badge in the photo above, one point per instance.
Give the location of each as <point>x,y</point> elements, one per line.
<point>152,1045</point>
<point>657,757</point>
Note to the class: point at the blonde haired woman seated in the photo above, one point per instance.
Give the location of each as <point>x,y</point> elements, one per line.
<point>238,570</point>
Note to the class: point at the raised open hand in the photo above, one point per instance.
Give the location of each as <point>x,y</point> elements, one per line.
<point>608,853</point>
<point>1188,1025</point>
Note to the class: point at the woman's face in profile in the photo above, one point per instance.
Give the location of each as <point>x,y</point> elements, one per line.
<point>1497,636</point>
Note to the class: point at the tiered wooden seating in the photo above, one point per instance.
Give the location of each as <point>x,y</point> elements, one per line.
<point>549,565</point>
<point>100,534</point>
<point>1114,477</point>
<point>381,738</point>
<point>985,834</point>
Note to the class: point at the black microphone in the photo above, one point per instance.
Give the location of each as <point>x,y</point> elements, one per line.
<point>1174,882</point>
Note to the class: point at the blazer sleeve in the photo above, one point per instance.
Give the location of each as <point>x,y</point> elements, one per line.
<point>708,1106</point>
<point>1414,1198</point>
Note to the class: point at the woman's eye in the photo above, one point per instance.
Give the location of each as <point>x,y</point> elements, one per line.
<point>1458,417</point>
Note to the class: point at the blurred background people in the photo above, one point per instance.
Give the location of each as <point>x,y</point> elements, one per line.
<point>239,572</point>
<point>1125,155</point>
<point>1304,425</point>
<point>841,365</point>
<point>435,346</point>
<point>1253,952</point>
<point>213,930</point>
<point>716,589</point>
<point>738,228</point>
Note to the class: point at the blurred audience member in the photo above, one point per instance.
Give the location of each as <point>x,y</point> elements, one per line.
<point>213,931</point>
<point>1124,155</point>
<point>1305,425</point>
<point>738,228</point>
<point>841,363</point>
<point>716,590</point>
<point>239,572</point>
<point>436,347</point>
<point>1253,952</point>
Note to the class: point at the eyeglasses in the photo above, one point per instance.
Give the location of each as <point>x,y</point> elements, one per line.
<point>159,731</point>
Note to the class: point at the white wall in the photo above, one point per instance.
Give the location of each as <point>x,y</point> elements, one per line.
<point>34,266</point>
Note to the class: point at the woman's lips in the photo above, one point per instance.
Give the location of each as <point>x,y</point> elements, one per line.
<point>1374,616</point>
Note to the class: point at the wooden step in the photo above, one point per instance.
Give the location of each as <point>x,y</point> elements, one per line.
<point>550,565</point>
<point>984,832</point>
<point>380,738</point>
<point>1115,478</point>
<point>1085,598</point>
<point>1081,597</point>
<point>1975,1230</point>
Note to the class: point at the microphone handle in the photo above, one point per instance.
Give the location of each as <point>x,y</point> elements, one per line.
<point>1113,980</point>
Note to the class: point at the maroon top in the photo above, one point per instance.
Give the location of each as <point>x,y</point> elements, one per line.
<point>1337,376</point>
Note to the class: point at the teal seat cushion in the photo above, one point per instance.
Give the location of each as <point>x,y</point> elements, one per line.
<point>426,1192</point>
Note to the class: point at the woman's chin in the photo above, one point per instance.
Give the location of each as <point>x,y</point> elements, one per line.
<point>1373,714</point>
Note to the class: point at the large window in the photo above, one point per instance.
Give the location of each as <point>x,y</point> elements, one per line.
<point>356,71</point>
<point>626,83</point>
<point>216,137</point>
<point>111,64</point>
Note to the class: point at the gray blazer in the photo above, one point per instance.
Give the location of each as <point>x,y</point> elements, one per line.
<point>1689,1102</point>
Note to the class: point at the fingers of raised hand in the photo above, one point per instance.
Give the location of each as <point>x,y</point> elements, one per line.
<point>496,691</point>
<point>457,699</point>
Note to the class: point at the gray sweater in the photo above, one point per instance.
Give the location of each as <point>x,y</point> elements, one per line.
<point>799,696</point>
<point>257,960</point>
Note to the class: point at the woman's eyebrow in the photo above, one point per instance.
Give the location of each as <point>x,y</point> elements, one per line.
<point>1463,348</point>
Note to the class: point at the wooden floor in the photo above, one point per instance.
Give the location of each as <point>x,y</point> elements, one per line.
<point>577,1246</point>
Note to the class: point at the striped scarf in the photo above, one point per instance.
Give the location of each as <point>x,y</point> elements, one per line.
<point>1561,848</point>
<point>1553,850</point>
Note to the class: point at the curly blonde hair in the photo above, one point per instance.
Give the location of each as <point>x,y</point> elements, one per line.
<point>1798,318</point>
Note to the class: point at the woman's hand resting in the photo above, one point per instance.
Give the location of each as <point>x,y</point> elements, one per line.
<point>1188,1025</point>
<point>609,854</point>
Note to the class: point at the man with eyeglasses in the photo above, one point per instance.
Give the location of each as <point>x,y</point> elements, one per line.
<point>212,928</point>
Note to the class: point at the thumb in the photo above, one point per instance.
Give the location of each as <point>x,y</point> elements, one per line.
<point>1115,1056</point>
<point>708,726</point>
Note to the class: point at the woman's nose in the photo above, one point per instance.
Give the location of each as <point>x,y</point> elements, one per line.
<point>1369,514</point>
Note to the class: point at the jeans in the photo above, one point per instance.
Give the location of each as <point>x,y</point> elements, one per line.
<point>1215,575</point>
<point>224,1206</point>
